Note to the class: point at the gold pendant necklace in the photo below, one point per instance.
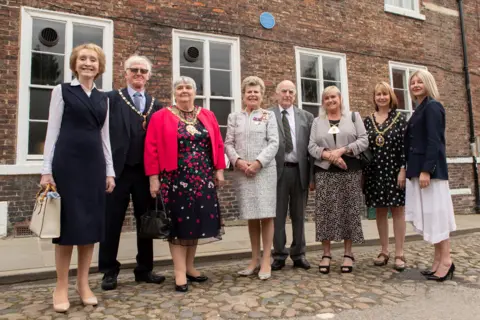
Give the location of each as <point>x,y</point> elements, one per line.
<point>144,116</point>
<point>190,124</point>
<point>380,139</point>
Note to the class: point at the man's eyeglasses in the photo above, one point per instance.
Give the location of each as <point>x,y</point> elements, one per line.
<point>289,91</point>
<point>135,70</point>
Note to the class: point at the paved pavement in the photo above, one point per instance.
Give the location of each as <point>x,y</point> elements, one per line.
<point>31,258</point>
<point>368,293</point>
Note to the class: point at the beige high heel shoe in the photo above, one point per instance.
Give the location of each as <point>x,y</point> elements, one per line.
<point>60,307</point>
<point>90,301</point>
<point>248,272</point>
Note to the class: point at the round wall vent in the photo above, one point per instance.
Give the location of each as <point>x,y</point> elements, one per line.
<point>48,37</point>
<point>191,54</point>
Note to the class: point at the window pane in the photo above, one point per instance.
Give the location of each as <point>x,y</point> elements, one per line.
<point>312,109</point>
<point>36,137</point>
<point>220,56</point>
<point>191,53</point>
<point>221,108</point>
<point>195,74</point>
<point>86,34</point>
<point>39,103</point>
<point>48,36</point>
<point>220,83</point>
<point>331,83</point>
<point>309,91</point>
<point>47,69</point>
<point>408,4</point>
<point>308,66</point>
<point>401,98</point>
<point>223,131</point>
<point>199,102</point>
<point>398,77</point>
<point>331,69</point>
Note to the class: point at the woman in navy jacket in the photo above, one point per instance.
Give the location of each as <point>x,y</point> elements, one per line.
<point>428,204</point>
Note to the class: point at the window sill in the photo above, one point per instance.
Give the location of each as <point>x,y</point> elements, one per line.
<point>404,12</point>
<point>21,169</point>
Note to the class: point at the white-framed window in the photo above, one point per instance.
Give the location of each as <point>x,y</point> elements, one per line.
<point>409,8</point>
<point>213,61</point>
<point>399,76</point>
<point>47,40</point>
<point>317,70</point>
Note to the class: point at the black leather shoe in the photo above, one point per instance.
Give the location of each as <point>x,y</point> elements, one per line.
<point>182,288</point>
<point>278,265</point>
<point>149,277</point>
<point>301,263</point>
<point>109,281</point>
<point>197,279</point>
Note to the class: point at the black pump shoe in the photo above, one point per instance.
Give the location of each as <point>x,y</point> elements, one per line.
<point>427,273</point>
<point>182,288</point>
<point>448,276</point>
<point>197,279</point>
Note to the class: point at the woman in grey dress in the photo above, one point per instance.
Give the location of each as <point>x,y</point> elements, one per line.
<point>251,145</point>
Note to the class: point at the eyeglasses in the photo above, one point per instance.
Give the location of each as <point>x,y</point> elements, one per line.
<point>135,70</point>
<point>289,91</point>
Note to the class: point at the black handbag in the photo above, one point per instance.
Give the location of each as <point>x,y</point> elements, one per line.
<point>155,224</point>
<point>366,156</point>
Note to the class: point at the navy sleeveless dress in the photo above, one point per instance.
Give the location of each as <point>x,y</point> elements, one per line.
<point>79,167</point>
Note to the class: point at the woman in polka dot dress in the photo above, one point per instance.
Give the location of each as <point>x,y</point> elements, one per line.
<point>385,176</point>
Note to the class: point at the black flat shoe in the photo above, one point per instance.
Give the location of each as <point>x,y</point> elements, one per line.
<point>149,277</point>
<point>109,281</point>
<point>197,279</point>
<point>301,263</point>
<point>325,269</point>
<point>182,288</point>
<point>278,264</point>
<point>448,276</point>
<point>347,269</point>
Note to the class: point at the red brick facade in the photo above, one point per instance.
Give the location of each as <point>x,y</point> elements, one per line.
<point>362,30</point>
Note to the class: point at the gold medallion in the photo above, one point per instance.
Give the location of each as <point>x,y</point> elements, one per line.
<point>380,140</point>
<point>192,130</point>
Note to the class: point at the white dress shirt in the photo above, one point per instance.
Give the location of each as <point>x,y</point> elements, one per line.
<point>54,123</point>
<point>292,156</point>
<point>131,92</point>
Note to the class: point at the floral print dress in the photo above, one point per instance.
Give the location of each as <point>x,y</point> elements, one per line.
<point>190,193</point>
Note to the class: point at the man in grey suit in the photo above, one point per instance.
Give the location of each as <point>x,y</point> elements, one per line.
<point>294,173</point>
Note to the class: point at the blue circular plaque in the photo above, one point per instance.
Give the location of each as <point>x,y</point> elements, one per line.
<point>267,20</point>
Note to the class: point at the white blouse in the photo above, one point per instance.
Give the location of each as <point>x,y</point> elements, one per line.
<point>54,123</point>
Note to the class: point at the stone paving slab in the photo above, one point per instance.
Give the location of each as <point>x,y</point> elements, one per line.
<point>289,294</point>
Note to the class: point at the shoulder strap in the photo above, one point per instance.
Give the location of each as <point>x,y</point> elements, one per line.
<point>353,117</point>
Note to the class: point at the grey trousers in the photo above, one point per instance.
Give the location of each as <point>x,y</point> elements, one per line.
<point>290,195</point>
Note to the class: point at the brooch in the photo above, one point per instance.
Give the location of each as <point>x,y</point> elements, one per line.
<point>263,118</point>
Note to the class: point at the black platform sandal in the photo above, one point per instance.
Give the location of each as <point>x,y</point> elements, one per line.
<point>347,269</point>
<point>325,269</point>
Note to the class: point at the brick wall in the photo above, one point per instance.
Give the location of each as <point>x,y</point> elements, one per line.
<point>368,36</point>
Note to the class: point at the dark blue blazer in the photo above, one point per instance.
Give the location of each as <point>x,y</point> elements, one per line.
<point>425,141</point>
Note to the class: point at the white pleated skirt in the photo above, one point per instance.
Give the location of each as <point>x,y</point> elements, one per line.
<point>430,210</point>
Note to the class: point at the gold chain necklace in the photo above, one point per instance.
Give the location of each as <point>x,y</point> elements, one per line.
<point>144,116</point>
<point>190,123</point>
<point>380,139</point>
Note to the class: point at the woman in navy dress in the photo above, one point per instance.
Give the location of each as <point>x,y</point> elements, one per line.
<point>78,160</point>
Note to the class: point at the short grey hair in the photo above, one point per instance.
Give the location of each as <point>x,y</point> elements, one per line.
<point>185,80</point>
<point>138,59</point>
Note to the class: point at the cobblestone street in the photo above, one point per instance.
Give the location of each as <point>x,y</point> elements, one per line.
<point>291,293</point>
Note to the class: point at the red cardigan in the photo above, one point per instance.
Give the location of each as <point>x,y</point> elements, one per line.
<point>161,144</point>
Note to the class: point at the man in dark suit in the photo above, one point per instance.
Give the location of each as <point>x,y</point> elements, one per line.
<point>294,173</point>
<point>130,111</point>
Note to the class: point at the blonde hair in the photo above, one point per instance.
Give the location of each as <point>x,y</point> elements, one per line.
<point>331,89</point>
<point>428,81</point>
<point>138,59</point>
<point>89,46</point>
<point>251,82</point>
<point>384,87</point>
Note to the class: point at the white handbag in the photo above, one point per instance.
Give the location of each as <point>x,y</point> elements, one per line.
<point>45,222</point>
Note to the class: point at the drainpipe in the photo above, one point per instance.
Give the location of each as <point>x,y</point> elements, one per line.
<point>470,107</point>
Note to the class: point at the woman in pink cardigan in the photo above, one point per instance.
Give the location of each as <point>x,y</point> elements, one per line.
<point>184,160</point>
